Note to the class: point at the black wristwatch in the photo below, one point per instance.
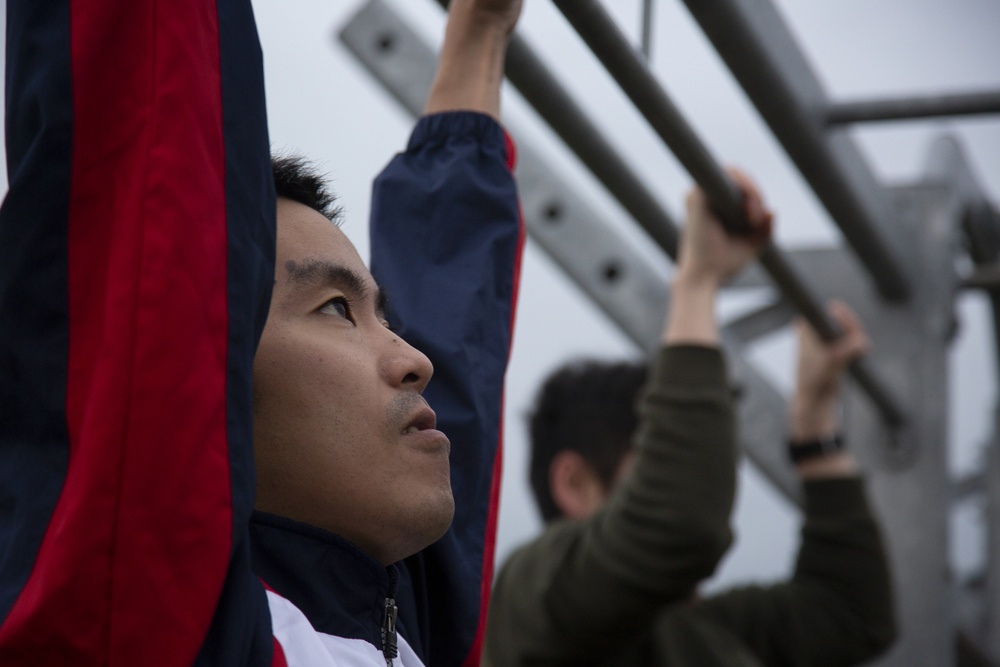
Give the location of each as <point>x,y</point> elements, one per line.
<point>811,449</point>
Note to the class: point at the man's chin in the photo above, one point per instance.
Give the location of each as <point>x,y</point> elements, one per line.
<point>433,522</point>
<point>442,519</point>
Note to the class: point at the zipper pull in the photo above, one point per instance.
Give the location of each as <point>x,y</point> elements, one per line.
<point>389,646</point>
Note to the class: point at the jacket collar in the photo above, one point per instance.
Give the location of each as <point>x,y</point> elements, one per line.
<point>340,588</point>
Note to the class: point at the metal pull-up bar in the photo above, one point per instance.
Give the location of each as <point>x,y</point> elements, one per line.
<point>907,108</point>
<point>625,65</point>
<point>621,60</point>
<point>760,51</point>
<point>555,105</point>
<point>549,98</point>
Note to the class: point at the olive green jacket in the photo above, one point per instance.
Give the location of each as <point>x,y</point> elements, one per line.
<point>617,588</point>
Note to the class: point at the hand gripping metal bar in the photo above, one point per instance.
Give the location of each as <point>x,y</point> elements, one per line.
<point>601,34</point>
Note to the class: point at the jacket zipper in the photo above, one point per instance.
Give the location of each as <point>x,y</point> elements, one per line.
<point>389,647</point>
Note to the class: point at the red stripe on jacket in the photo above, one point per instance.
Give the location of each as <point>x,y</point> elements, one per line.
<point>490,539</point>
<point>133,561</point>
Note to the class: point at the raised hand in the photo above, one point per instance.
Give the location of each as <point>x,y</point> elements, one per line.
<point>707,250</point>
<point>708,256</point>
<point>500,13</point>
<point>820,372</point>
<point>470,68</point>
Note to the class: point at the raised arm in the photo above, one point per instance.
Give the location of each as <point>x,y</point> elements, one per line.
<point>587,585</point>
<point>708,257</point>
<point>470,68</point>
<point>837,609</point>
<point>818,380</point>
<point>446,245</point>
<point>134,250</point>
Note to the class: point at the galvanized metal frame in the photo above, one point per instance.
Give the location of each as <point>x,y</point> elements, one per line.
<point>909,485</point>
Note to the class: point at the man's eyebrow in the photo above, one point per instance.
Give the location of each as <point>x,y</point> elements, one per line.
<point>318,272</point>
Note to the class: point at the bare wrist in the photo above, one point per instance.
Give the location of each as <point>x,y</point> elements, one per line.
<point>692,313</point>
<point>809,424</point>
<point>470,68</point>
<point>695,281</point>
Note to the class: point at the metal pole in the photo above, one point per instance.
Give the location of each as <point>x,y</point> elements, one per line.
<point>948,164</point>
<point>793,289</point>
<point>753,40</point>
<point>553,103</point>
<point>914,107</point>
<point>612,48</point>
<point>647,28</point>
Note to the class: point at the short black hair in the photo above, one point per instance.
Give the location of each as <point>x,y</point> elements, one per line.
<point>299,180</point>
<point>586,406</point>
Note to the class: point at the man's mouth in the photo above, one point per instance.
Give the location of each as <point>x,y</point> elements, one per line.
<point>423,420</point>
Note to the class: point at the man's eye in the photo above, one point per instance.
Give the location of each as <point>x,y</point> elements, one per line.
<point>338,306</point>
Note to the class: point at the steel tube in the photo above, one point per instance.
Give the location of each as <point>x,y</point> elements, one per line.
<point>793,289</point>
<point>909,108</point>
<point>611,47</point>
<point>555,105</point>
<point>756,45</point>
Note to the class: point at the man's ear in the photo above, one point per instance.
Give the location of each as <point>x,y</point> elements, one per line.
<point>575,487</point>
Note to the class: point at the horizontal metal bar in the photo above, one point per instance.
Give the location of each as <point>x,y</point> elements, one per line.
<point>611,47</point>
<point>908,108</point>
<point>756,45</point>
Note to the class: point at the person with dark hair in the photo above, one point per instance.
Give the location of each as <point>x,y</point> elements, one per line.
<point>581,433</point>
<point>636,509</point>
<point>295,179</point>
<point>182,479</point>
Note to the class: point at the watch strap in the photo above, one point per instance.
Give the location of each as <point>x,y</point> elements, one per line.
<point>799,451</point>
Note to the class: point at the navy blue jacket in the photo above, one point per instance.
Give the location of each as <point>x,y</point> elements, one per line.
<point>446,241</point>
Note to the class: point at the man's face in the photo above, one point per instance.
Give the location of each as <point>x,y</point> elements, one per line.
<point>343,439</point>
